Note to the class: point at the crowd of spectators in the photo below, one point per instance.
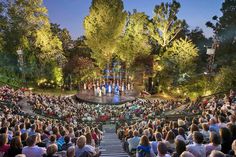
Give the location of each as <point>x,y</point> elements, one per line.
<point>22,135</point>
<point>211,133</point>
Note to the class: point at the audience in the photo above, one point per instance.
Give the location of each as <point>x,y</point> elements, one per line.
<point>210,133</point>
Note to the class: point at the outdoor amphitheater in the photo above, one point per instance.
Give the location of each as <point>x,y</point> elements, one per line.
<point>117,78</point>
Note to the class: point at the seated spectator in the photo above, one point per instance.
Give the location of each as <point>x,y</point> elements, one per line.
<point>67,143</point>
<point>134,142</point>
<point>154,144</point>
<point>214,143</point>
<point>233,151</point>
<point>180,148</point>
<point>4,147</point>
<point>83,149</point>
<point>24,137</point>
<point>51,151</point>
<point>162,150</point>
<point>170,141</point>
<point>15,147</point>
<point>32,150</point>
<point>70,152</point>
<point>216,153</point>
<point>205,132</point>
<point>187,154</point>
<point>52,140</point>
<point>226,140</point>
<point>193,128</point>
<point>213,125</point>
<point>197,148</point>
<point>182,136</point>
<point>144,148</point>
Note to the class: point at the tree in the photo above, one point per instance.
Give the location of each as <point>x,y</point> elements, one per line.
<point>103,27</point>
<point>165,26</point>
<point>135,40</point>
<point>225,79</point>
<point>64,36</point>
<point>224,28</point>
<point>2,24</point>
<point>181,55</point>
<point>29,29</point>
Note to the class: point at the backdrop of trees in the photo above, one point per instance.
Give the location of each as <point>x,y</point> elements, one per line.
<point>161,49</point>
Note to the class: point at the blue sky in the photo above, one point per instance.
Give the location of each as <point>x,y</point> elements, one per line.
<point>70,13</point>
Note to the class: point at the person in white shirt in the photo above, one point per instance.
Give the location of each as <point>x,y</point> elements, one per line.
<point>32,150</point>
<point>134,142</point>
<point>81,147</point>
<point>197,148</point>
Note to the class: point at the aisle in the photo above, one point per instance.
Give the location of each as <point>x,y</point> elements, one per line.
<point>111,146</point>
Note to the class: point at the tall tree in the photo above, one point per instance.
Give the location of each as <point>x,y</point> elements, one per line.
<point>3,23</point>
<point>165,25</point>
<point>225,30</point>
<point>135,40</point>
<point>64,36</point>
<point>29,30</point>
<point>103,27</point>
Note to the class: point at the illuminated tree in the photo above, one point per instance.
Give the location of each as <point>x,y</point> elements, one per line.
<point>135,40</point>
<point>29,30</point>
<point>165,25</point>
<point>103,27</point>
<point>181,55</point>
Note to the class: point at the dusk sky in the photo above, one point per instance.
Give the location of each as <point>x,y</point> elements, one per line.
<point>70,13</point>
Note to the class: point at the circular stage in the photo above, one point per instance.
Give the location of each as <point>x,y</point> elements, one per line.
<point>109,99</point>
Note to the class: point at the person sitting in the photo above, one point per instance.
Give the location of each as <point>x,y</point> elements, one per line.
<point>133,142</point>
<point>197,148</point>
<point>51,151</point>
<point>82,149</point>
<point>15,147</point>
<point>187,154</point>
<point>67,143</point>
<point>4,147</point>
<point>214,143</point>
<point>154,144</point>
<point>32,150</point>
<point>226,140</point>
<point>213,126</point>
<point>180,148</point>
<point>70,152</point>
<point>162,150</point>
<point>216,153</point>
<point>144,148</point>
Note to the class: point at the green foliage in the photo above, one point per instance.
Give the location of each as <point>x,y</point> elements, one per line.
<point>3,23</point>
<point>58,75</point>
<point>63,35</point>
<point>81,68</point>
<point>224,29</point>
<point>165,26</point>
<point>103,27</point>
<point>28,28</point>
<point>135,40</point>
<point>181,55</point>
<point>225,79</point>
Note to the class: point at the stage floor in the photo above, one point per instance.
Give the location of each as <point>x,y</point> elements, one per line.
<point>109,99</point>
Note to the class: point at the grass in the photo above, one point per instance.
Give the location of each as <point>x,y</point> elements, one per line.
<point>56,92</point>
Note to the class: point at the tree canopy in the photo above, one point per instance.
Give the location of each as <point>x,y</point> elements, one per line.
<point>103,27</point>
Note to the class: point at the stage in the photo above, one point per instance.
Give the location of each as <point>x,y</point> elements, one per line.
<point>108,99</point>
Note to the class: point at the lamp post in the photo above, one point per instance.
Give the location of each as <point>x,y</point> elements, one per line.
<point>21,62</point>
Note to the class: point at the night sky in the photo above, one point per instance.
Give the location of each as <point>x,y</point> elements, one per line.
<point>70,13</point>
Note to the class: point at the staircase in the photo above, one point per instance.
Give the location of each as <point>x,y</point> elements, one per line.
<point>111,146</point>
